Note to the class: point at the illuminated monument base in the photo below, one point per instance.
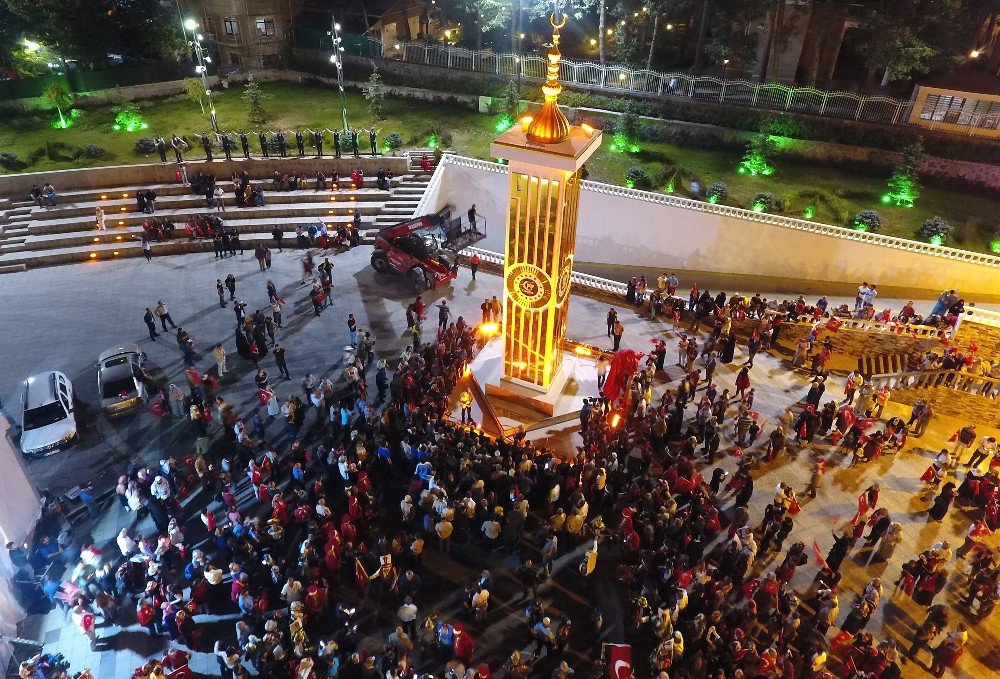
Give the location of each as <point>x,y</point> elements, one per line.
<point>511,404</point>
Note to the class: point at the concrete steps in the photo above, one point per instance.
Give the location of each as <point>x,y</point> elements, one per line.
<point>304,212</point>
<point>65,233</point>
<point>189,201</point>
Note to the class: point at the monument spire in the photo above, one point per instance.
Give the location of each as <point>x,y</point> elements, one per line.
<point>549,125</point>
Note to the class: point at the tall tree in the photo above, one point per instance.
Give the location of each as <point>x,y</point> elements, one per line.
<point>141,29</point>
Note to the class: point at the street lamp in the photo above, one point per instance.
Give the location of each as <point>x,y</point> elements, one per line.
<point>201,69</point>
<point>725,67</point>
<point>337,59</point>
<point>974,54</point>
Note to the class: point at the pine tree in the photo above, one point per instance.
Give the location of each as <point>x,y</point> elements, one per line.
<point>375,96</point>
<point>904,184</point>
<point>255,98</point>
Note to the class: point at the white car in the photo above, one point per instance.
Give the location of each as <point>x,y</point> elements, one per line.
<point>119,380</point>
<point>48,421</point>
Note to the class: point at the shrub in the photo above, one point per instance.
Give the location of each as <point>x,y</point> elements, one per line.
<point>767,202</point>
<point>144,146</point>
<point>9,160</point>
<point>54,150</point>
<point>833,208</point>
<point>36,155</point>
<point>394,140</point>
<point>868,220</point>
<point>758,156</point>
<point>93,151</point>
<point>627,124</point>
<point>638,178</point>
<point>936,231</point>
<point>995,242</point>
<point>717,193</point>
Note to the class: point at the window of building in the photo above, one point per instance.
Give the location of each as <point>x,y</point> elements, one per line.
<point>945,108</point>
<point>270,60</point>
<point>231,27</point>
<point>265,26</point>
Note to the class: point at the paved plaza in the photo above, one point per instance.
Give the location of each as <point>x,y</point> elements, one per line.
<point>62,318</point>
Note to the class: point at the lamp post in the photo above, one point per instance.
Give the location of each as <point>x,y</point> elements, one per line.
<point>337,59</point>
<point>725,67</point>
<point>201,69</point>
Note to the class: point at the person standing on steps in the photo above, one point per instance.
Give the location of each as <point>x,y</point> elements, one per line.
<point>231,284</point>
<point>318,142</point>
<point>161,148</point>
<point>300,143</point>
<point>221,291</point>
<point>245,144</point>
<point>150,323</point>
<point>282,146</point>
<point>206,143</point>
<point>336,144</point>
<point>164,315</point>
<point>276,235</point>
<point>262,138</point>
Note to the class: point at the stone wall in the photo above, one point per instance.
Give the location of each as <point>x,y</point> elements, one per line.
<point>18,185</point>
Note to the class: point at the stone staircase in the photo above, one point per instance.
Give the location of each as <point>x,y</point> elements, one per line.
<point>32,236</point>
<point>951,392</point>
<point>403,203</point>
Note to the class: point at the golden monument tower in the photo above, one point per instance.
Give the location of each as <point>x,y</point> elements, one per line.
<point>545,154</point>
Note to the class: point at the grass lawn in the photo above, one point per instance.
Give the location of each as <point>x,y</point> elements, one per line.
<point>310,106</point>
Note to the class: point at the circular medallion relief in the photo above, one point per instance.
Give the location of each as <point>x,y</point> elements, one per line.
<point>528,286</point>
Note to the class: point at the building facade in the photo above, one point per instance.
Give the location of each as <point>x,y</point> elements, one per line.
<point>246,33</point>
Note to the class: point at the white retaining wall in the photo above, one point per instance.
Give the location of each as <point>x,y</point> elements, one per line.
<point>620,226</point>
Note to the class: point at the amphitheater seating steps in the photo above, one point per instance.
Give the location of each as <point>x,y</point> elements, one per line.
<point>65,233</point>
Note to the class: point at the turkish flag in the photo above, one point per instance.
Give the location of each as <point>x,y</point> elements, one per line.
<point>619,660</point>
<point>820,561</point>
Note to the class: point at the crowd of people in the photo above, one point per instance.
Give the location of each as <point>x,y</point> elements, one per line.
<point>316,535</point>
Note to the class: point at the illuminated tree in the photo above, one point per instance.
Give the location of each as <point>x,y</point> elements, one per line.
<point>904,184</point>
<point>58,96</point>
<point>757,158</point>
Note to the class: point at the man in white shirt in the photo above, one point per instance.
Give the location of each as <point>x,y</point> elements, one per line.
<point>125,543</point>
<point>292,591</point>
<point>408,616</point>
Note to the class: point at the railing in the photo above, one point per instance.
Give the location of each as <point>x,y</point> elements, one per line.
<point>762,217</point>
<point>981,316</point>
<point>614,77</point>
<point>979,385</point>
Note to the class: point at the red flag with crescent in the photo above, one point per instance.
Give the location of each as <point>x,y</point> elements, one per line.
<point>619,660</point>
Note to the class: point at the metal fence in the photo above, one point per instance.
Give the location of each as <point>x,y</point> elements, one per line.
<point>617,78</point>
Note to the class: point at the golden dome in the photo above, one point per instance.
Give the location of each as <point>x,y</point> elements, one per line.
<point>549,125</point>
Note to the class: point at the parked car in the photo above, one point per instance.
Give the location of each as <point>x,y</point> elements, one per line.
<point>119,380</point>
<point>48,421</point>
